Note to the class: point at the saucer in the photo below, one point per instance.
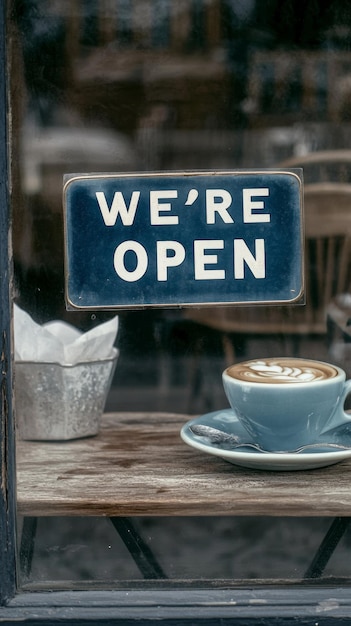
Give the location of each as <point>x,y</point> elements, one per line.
<point>273,461</point>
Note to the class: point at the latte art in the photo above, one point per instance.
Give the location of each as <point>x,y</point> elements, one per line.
<point>282,371</point>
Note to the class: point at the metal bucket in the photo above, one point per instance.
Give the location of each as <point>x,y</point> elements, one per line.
<point>59,402</point>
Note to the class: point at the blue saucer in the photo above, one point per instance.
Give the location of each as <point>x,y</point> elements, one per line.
<point>227,421</point>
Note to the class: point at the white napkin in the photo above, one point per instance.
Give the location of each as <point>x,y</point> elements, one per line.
<point>59,342</point>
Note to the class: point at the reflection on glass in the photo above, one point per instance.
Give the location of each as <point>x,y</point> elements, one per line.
<point>142,85</point>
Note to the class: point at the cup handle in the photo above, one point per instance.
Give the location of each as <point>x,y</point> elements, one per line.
<point>345,393</point>
<point>340,417</point>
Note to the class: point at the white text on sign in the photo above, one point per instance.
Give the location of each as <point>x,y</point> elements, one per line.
<point>207,255</point>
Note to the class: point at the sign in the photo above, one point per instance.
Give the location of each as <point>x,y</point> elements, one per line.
<point>182,239</point>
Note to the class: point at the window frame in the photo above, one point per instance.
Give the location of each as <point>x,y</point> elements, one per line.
<point>7,437</point>
<point>242,604</point>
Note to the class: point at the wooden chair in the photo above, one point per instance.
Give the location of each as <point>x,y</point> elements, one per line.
<point>323,166</point>
<point>327,209</point>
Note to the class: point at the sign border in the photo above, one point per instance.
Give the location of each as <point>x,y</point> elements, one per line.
<point>70,178</point>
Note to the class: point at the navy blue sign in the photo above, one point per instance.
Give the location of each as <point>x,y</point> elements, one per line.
<point>140,240</point>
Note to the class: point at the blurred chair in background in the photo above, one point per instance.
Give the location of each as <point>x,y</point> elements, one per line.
<point>323,166</point>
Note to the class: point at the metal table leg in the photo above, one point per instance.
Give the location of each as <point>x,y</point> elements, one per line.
<point>138,549</point>
<point>327,547</point>
<point>27,545</point>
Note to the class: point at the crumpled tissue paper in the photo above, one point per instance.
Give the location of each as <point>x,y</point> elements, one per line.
<point>62,377</point>
<point>59,342</point>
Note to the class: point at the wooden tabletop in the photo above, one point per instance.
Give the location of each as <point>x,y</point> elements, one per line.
<point>138,465</point>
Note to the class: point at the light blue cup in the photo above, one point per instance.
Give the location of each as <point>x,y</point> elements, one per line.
<point>286,415</point>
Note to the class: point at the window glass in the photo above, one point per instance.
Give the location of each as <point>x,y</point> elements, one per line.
<point>155,85</point>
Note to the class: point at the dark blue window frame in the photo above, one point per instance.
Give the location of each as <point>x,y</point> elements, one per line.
<point>7,439</point>
<point>245,606</point>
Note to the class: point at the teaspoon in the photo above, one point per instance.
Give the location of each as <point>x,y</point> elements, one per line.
<point>219,437</point>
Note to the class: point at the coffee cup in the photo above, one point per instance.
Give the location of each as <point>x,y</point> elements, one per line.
<point>284,403</point>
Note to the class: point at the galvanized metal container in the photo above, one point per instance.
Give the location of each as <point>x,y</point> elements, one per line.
<point>60,402</point>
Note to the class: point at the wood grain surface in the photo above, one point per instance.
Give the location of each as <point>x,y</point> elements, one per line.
<point>138,465</point>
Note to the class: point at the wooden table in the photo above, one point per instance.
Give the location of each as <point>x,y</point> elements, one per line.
<point>139,466</point>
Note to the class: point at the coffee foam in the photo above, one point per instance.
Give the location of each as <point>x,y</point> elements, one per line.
<point>279,371</point>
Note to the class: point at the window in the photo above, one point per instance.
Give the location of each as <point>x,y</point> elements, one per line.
<point>157,86</point>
